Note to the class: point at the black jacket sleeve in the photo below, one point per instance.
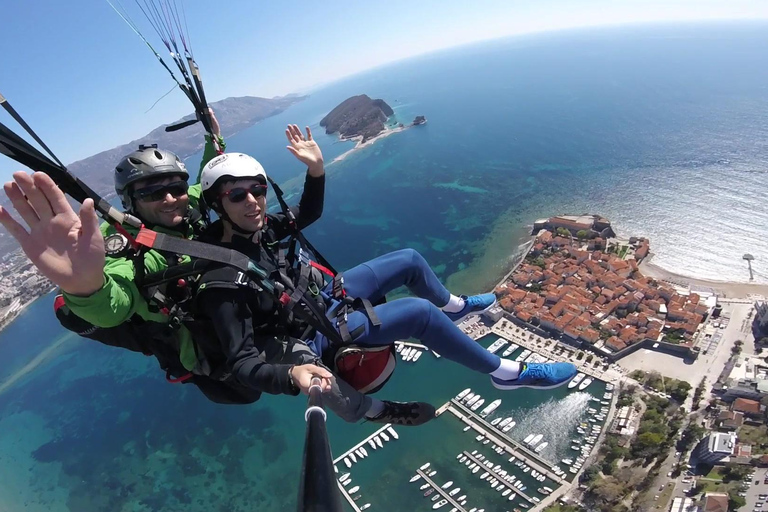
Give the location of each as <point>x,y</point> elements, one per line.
<point>309,209</point>
<point>233,321</point>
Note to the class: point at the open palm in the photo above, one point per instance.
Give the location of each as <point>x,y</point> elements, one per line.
<point>305,149</point>
<point>66,248</point>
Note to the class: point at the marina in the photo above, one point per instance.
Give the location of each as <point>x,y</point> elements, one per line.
<point>510,446</point>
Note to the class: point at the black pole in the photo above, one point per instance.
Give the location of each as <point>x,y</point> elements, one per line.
<point>318,491</point>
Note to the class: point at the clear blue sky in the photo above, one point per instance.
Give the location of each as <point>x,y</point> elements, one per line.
<point>84,80</point>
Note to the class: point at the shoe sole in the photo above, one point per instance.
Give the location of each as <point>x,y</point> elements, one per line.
<point>474,313</point>
<point>507,387</point>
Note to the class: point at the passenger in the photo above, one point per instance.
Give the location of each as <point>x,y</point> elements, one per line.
<point>254,332</point>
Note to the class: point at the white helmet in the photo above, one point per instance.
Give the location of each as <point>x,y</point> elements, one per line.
<point>229,166</point>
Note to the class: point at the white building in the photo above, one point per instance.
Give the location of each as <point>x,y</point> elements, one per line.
<point>715,447</point>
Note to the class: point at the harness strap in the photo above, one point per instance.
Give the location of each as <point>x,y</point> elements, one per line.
<point>229,257</point>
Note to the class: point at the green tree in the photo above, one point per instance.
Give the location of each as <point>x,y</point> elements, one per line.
<point>680,392</point>
<point>736,471</point>
<point>563,232</point>
<point>647,444</point>
<point>735,501</point>
<point>691,435</point>
<point>582,234</point>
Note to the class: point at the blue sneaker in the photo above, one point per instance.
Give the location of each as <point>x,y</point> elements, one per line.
<point>473,306</point>
<point>539,376</point>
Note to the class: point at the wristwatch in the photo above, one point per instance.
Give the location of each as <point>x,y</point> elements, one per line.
<point>294,388</point>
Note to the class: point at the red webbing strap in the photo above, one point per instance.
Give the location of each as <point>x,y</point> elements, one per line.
<point>133,241</point>
<point>322,269</point>
<point>183,378</point>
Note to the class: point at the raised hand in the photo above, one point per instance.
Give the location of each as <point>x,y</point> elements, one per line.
<point>306,150</point>
<point>67,249</point>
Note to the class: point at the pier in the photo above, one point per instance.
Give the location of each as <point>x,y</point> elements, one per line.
<point>442,491</point>
<point>501,480</point>
<point>341,457</point>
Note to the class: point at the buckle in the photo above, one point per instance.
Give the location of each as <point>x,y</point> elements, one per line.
<point>303,257</point>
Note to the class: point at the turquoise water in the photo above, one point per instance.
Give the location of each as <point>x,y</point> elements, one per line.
<point>662,129</point>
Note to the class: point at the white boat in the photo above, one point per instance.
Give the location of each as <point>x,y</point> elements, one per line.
<point>432,473</point>
<point>541,447</point>
<point>496,421</point>
<point>372,444</point>
<point>335,469</point>
<point>405,352</point>
<point>353,458</point>
<point>458,457</point>
<point>454,492</point>
<point>475,469</point>
<point>384,436</point>
<point>447,484</point>
<point>473,400</point>
<point>346,482</point>
<point>417,356</point>
<point>523,355</point>
<point>366,506</point>
<point>576,380</point>
<point>365,452</point>
<point>496,345</point>
<point>506,492</point>
<point>359,453</point>
<point>414,478</point>
<point>347,463</point>
<point>409,355</point>
<point>461,498</point>
<point>392,432</point>
<point>509,427</point>
<point>344,477</point>
<point>424,466</point>
<point>398,347</point>
<point>491,407</point>
<point>439,504</point>
<point>505,422</point>
<point>467,428</point>
<point>511,348</point>
<point>536,439</point>
<point>463,394</point>
<point>586,382</point>
<point>425,486</point>
<point>378,442</point>
<point>528,438</point>
<point>354,489</point>
<point>477,404</point>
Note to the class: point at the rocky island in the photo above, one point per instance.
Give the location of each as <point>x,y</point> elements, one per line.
<point>358,116</point>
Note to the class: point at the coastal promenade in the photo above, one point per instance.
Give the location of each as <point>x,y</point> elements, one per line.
<point>509,335</point>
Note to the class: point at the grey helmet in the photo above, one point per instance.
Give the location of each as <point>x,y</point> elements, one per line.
<point>147,162</point>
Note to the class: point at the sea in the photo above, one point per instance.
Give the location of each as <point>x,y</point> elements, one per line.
<point>663,129</point>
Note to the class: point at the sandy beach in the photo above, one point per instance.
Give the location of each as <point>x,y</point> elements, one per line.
<point>722,288</point>
<point>360,144</point>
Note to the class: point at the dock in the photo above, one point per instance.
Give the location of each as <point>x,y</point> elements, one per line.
<point>501,480</point>
<point>442,491</point>
<point>341,457</point>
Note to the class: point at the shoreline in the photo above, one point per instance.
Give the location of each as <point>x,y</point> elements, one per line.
<point>726,289</point>
<point>360,144</point>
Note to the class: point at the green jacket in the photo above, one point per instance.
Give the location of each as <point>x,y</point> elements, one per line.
<point>119,299</point>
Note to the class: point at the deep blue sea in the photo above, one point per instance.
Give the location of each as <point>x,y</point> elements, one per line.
<point>663,129</point>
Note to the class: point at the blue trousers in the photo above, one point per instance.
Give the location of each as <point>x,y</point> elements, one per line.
<point>417,317</point>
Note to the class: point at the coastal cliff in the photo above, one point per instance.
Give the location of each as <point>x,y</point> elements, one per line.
<point>358,116</point>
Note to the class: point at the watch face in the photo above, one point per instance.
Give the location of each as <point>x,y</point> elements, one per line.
<point>115,244</point>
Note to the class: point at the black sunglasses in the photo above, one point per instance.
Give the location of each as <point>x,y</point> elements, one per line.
<point>238,194</point>
<point>158,192</point>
